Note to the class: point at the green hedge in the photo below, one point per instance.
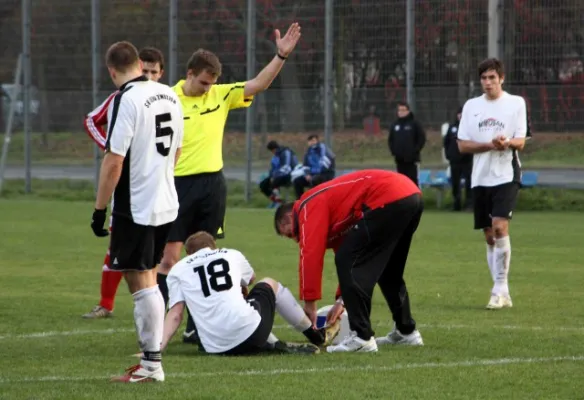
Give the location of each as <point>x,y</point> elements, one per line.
<point>532,199</point>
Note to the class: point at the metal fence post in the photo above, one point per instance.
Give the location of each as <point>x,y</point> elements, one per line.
<point>328,71</point>
<point>495,26</point>
<point>10,121</point>
<point>410,53</point>
<point>172,42</point>
<point>249,115</point>
<point>26,98</point>
<point>95,74</point>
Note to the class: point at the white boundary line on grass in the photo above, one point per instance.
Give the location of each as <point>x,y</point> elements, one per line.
<point>41,335</point>
<point>336,369</point>
<point>112,331</point>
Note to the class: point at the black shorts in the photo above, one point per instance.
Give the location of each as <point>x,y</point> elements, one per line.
<point>495,201</point>
<point>135,247</point>
<point>202,201</point>
<point>263,299</point>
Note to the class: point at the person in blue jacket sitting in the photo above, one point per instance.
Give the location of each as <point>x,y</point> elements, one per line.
<point>284,161</point>
<point>319,166</point>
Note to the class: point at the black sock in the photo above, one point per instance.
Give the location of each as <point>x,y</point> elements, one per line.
<point>161,280</point>
<point>315,336</point>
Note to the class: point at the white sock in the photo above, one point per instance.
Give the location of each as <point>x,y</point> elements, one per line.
<point>502,262</point>
<point>491,261</point>
<point>290,310</point>
<point>149,318</point>
<point>272,339</point>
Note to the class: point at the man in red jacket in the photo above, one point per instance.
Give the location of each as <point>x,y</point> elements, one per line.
<point>369,218</point>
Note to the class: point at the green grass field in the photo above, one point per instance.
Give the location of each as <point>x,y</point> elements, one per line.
<point>51,265</point>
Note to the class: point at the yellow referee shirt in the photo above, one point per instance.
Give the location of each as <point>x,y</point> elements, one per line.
<point>205,118</point>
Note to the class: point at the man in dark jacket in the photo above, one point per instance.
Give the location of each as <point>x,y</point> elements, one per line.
<point>284,160</point>
<point>406,141</point>
<point>460,165</point>
<point>319,166</point>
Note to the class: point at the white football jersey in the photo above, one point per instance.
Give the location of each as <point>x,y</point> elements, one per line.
<point>146,127</point>
<point>210,283</point>
<point>483,120</point>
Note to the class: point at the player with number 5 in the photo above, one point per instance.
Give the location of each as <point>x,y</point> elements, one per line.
<point>144,141</point>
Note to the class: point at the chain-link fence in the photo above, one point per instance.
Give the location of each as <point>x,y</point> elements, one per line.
<point>542,46</point>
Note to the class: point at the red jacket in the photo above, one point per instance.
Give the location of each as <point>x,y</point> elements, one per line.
<point>324,215</point>
<point>95,121</point>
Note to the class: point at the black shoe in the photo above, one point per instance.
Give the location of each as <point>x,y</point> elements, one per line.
<point>281,347</point>
<point>315,336</point>
<point>191,337</point>
<point>323,336</point>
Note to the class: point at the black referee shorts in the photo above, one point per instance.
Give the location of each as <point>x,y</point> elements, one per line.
<point>202,202</point>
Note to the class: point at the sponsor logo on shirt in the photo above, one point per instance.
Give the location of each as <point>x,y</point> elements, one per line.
<point>491,124</point>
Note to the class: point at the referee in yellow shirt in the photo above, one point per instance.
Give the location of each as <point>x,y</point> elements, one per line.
<point>199,179</point>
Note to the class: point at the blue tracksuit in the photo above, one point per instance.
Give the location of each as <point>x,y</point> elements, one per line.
<point>319,159</point>
<point>283,162</point>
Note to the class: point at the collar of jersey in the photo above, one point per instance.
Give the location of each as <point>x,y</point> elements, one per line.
<point>178,88</point>
<point>141,78</point>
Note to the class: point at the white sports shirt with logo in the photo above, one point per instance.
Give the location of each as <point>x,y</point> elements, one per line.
<point>482,120</point>
<point>146,128</point>
<point>210,283</point>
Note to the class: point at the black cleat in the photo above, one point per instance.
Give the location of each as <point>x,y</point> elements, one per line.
<point>191,337</point>
<point>281,347</point>
<point>323,336</point>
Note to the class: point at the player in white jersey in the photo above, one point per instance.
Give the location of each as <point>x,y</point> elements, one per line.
<point>95,125</point>
<point>144,138</point>
<point>494,127</point>
<point>210,281</point>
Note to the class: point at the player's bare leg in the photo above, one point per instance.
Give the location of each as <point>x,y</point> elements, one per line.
<point>292,312</point>
<point>501,262</point>
<point>149,319</point>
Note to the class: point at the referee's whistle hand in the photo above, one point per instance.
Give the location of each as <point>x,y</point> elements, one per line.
<point>97,222</point>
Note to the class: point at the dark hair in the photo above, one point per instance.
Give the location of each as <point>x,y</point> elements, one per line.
<point>272,145</point>
<point>152,55</point>
<point>403,104</point>
<point>204,60</point>
<point>280,213</point>
<point>494,64</point>
<point>198,241</point>
<point>313,137</point>
<point>121,56</point>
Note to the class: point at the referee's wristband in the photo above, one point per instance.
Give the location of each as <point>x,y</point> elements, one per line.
<point>281,57</point>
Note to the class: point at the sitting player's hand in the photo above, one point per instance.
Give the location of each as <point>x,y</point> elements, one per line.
<point>97,222</point>
<point>334,313</point>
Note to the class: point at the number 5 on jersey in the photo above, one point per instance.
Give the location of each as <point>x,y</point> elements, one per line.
<point>163,134</point>
<point>216,276</point>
